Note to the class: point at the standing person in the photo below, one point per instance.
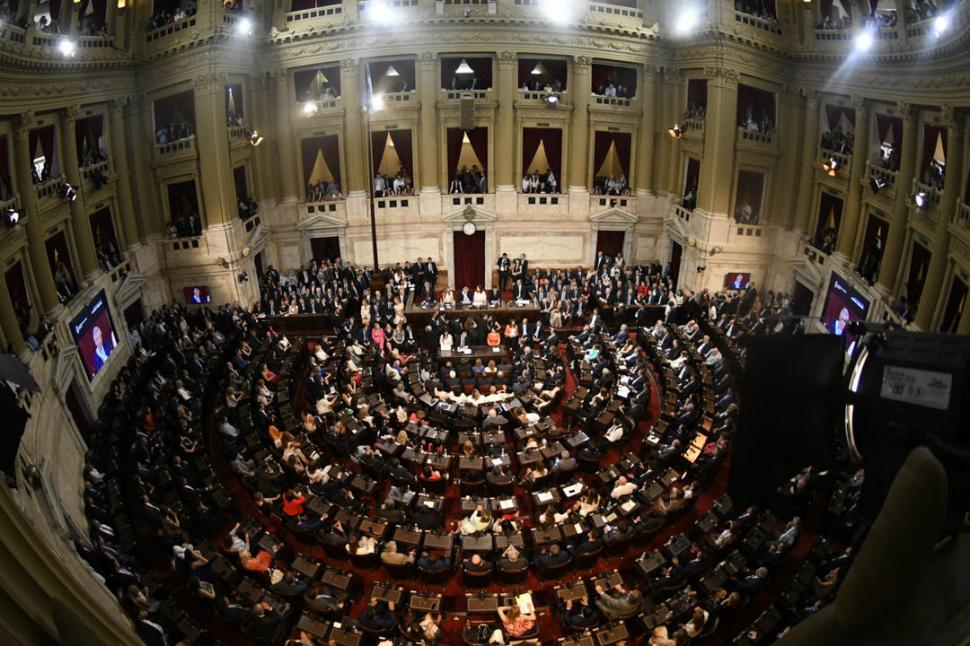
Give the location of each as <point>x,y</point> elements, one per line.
<point>503,270</point>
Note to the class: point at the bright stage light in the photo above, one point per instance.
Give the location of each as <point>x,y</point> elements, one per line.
<point>244,26</point>
<point>381,12</point>
<point>66,47</point>
<point>941,24</point>
<point>864,41</point>
<point>309,108</point>
<point>558,12</point>
<point>687,21</point>
<point>377,103</point>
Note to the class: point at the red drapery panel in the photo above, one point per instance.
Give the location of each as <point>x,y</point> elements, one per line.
<point>930,135</point>
<point>481,66</point>
<point>885,125</point>
<point>240,183</point>
<point>303,80</point>
<point>331,154</point>
<point>469,259</point>
<point>134,314</point>
<point>17,288</point>
<point>603,74</point>
<point>693,174</point>
<point>325,248</point>
<point>877,232</point>
<point>55,9</point>
<point>758,101</point>
<point>834,113</point>
<point>90,130</point>
<point>404,81</point>
<point>103,229</point>
<point>100,12</point>
<point>172,108</point>
<point>697,93</point>
<point>955,303</point>
<point>609,242</point>
<point>300,5</point>
<point>552,140</point>
<point>454,136</point>
<point>479,140</point>
<point>402,143</point>
<point>6,187</point>
<point>829,215</point>
<point>57,251</point>
<point>44,136</point>
<point>601,148</point>
<point>555,68</point>
<point>919,265</point>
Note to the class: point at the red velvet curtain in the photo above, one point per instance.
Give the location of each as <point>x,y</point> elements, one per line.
<point>135,314</point>
<point>454,138</point>
<point>382,83</point>
<point>171,108</point>
<point>919,265</point>
<point>55,9</point>
<point>239,182</point>
<point>760,102</point>
<point>17,289</point>
<point>479,141</point>
<point>552,139</point>
<point>609,242</point>
<point>331,154</point>
<point>6,190</point>
<point>57,249</point>
<point>481,66</point>
<point>835,112</point>
<point>45,137</point>
<point>955,303</point>
<point>302,79</point>
<point>930,135</point>
<point>885,125</point>
<point>300,5</point>
<point>469,259</point>
<point>103,229</point>
<point>693,174</point>
<point>828,204</point>
<point>601,148</point>
<point>402,143</point>
<point>88,128</point>
<point>877,232</point>
<point>555,67</point>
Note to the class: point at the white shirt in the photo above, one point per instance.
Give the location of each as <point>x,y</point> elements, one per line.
<point>446,342</point>
<point>621,490</point>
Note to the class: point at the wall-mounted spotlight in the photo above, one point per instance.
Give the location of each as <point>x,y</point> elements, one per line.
<point>244,26</point>
<point>919,199</point>
<point>12,217</point>
<point>67,47</point>
<point>940,24</point>
<point>831,166</point>
<point>310,108</point>
<point>68,192</point>
<point>864,40</point>
<point>876,184</point>
<point>242,277</point>
<point>552,101</point>
<point>254,137</point>
<point>677,131</point>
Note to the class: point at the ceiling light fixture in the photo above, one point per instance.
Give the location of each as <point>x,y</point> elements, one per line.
<point>464,68</point>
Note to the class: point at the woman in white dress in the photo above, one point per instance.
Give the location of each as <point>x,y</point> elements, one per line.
<point>480,299</point>
<point>446,342</point>
<point>399,318</point>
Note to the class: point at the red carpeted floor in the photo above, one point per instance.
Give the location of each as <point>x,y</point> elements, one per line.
<point>454,591</point>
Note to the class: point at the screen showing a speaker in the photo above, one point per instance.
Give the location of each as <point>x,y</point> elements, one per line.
<point>737,280</point>
<point>94,335</point>
<point>843,304</point>
<point>197,294</point>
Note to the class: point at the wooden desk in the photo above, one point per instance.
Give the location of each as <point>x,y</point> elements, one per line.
<point>483,543</point>
<point>390,594</point>
<point>345,636</point>
<point>443,542</point>
<point>541,536</point>
<point>373,527</point>
<point>315,627</point>
<point>407,538</point>
<point>611,634</point>
<point>572,592</point>
<point>306,567</point>
<point>483,352</point>
<point>502,506</point>
<point>337,579</point>
<point>541,499</point>
<point>502,541</point>
<point>425,602</point>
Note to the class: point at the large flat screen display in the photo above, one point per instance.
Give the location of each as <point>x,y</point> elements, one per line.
<point>94,334</point>
<point>842,305</point>
<point>737,280</point>
<point>197,294</point>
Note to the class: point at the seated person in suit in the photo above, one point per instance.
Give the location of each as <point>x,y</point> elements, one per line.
<point>623,487</point>
<point>581,614</point>
<point>434,562</point>
<point>510,560</point>
<point>754,580</point>
<point>477,565</point>
<point>390,555</point>
<point>619,603</point>
<point>551,557</point>
<point>378,616</point>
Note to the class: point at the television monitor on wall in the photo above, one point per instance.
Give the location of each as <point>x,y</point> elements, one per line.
<point>843,304</point>
<point>94,334</point>
<point>737,280</point>
<point>197,295</point>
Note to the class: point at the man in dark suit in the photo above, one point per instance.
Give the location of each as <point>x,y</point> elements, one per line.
<point>554,557</point>
<point>504,264</point>
<point>520,292</point>
<point>101,348</point>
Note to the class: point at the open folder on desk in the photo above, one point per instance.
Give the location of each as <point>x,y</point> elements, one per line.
<point>525,603</point>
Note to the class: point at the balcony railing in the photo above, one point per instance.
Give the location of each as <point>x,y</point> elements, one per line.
<point>542,203</point>
<point>604,202</point>
<point>841,159</point>
<point>12,33</point>
<point>540,95</point>
<point>12,203</point>
<point>194,243</point>
<point>962,217</point>
<point>185,23</point>
<point>392,98</point>
<point>236,132</point>
<point>754,137</point>
<point>770,26</point>
<point>317,12</point>
<point>884,176</point>
<point>95,42</point>
<point>186,144</point>
<point>745,232</point>
<point>682,213</point>
<point>599,10</point>
<point>833,34</point>
<point>456,95</point>
<point>48,188</point>
<point>620,101</point>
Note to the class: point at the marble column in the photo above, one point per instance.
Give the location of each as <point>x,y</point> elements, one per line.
<point>932,297</point>
<point>806,179</point>
<point>9,325</point>
<point>848,228</point>
<point>648,127</point>
<point>80,220</point>
<point>505,173</point>
<point>212,144</point>
<point>783,210</point>
<point>128,236</point>
<point>351,91</point>
<point>43,277</point>
<point>290,185</point>
<point>580,83</point>
<point>720,131</point>
<point>149,200</point>
<point>673,106</point>
<point>430,177</point>
<point>892,258</point>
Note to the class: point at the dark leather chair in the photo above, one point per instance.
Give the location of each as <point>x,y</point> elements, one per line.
<point>476,579</point>
<point>554,571</point>
<point>586,560</point>
<point>403,571</point>
<point>516,574</point>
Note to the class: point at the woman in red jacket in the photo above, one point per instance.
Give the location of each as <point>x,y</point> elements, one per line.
<point>293,503</point>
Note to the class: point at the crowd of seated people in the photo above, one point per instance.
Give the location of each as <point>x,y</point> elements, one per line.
<point>174,131</point>
<point>551,86</point>
<point>838,141</point>
<point>165,17</point>
<point>400,184</point>
<point>185,225</point>
<point>540,182</point>
<point>696,110</point>
<point>466,82</point>
<point>611,185</point>
<point>91,155</point>
<point>756,123</point>
<point>882,19</point>
<point>925,9</point>
<point>322,191</point>
<point>468,181</point>
<point>757,8</point>
<point>613,88</point>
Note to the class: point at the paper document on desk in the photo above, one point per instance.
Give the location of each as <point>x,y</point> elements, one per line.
<point>544,496</point>
<point>506,504</point>
<point>526,607</point>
